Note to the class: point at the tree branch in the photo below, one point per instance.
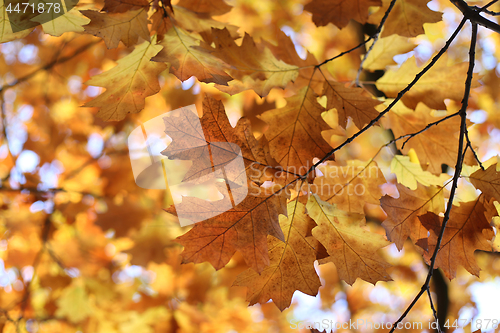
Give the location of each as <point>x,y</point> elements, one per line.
<point>456,175</point>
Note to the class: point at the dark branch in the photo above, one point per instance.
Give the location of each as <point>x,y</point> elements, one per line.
<point>456,175</point>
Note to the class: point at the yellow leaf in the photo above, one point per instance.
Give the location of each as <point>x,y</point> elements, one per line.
<point>129,83</point>
<point>74,304</point>
<point>352,248</point>
<point>115,27</point>
<point>56,25</point>
<point>180,50</point>
<point>409,173</point>
<point>440,82</point>
<point>382,54</point>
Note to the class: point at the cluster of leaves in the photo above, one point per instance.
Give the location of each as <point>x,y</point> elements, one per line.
<point>327,146</point>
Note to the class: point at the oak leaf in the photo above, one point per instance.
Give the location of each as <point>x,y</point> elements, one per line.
<point>294,132</point>
<point>440,82</point>
<point>122,6</point>
<point>350,102</point>
<point>127,27</point>
<point>382,54</point>
<point>210,7</point>
<point>129,83</point>
<point>352,248</point>
<point>55,24</point>
<point>350,186</point>
<point>407,17</point>
<point>409,173</point>
<point>202,141</point>
<point>488,181</point>
<point>433,147</point>
<point>402,213</point>
<point>291,264</point>
<point>340,12</point>
<point>467,230</point>
<point>180,51</point>
<point>243,228</point>
<point>252,65</point>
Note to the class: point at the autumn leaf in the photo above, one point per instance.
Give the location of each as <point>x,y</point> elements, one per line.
<point>122,6</point>
<point>402,213</point>
<point>352,248</point>
<point>252,65</point>
<point>382,54</point>
<point>205,142</point>
<point>243,228</point>
<point>74,304</point>
<point>211,7</point>
<point>6,32</point>
<point>294,132</point>
<point>340,12</point>
<point>56,25</point>
<point>467,230</point>
<point>180,51</point>
<point>440,82</point>
<point>350,103</point>
<point>291,266</point>
<point>409,173</point>
<point>350,186</point>
<point>129,83</point>
<point>435,147</point>
<point>127,27</point>
<point>488,181</point>
<point>407,17</point>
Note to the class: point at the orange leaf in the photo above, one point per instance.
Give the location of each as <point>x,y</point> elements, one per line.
<point>340,12</point>
<point>252,65</point>
<point>294,132</point>
<point>407,17</point>
<point>243,228</point>
<point>350,102</point>
<point>437,145</point>
<point>488,181</point>
<point>180,50</point>
<point>352,249</point>
<point>291,265</point>
<point>115,27</point>
<point>210,7</point>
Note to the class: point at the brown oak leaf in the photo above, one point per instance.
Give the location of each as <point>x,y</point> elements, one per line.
<point>467,230</point>
<point>402,213</point>
<point>127,27</point>
<point>352,248</point>
<point>488,181</point>
<point>406,18</point>
<point>291,266</point>
<point>438,145</point>
<point>340,12</point>
<point>243,228</point>
<point>294,131</point>
<point>352,103</point>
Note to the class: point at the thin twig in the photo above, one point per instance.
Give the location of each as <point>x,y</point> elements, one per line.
<point>360,69</point>
<point>434,312</point>
<point>427,127</point>
<point>469,144</point>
